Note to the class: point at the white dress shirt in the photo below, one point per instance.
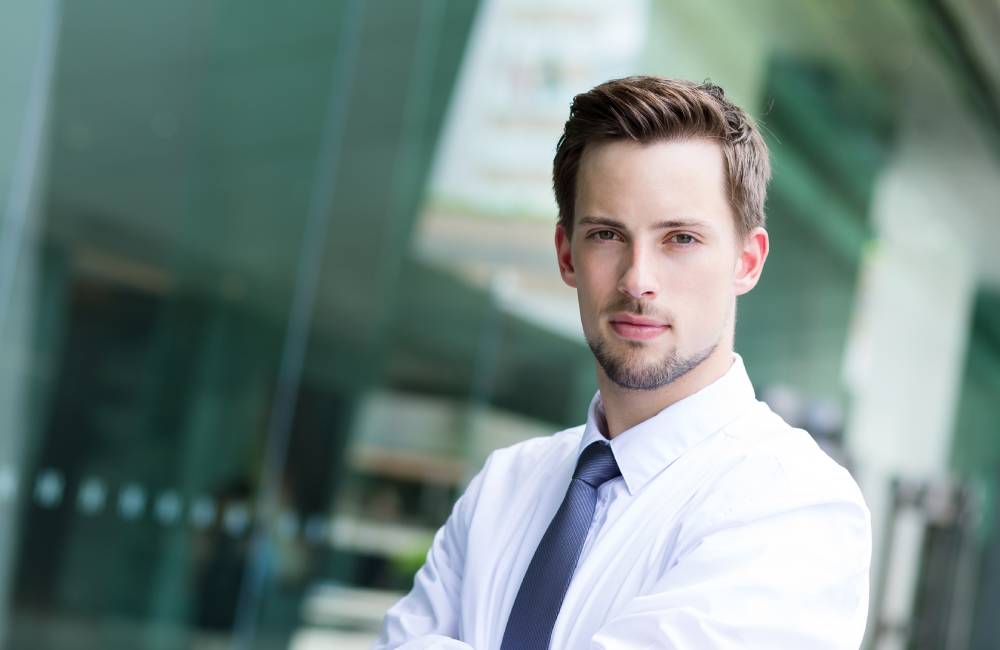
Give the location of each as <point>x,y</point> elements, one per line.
<point>727,529</point>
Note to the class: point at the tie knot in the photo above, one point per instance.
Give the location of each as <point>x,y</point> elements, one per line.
<point>596,465</point>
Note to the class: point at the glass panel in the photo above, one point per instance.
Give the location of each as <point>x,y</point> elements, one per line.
<point>204,312</point>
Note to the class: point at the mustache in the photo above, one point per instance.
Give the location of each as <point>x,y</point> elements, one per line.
<point>635,307</point>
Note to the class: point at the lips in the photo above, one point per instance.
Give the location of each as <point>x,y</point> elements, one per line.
<point>637,327</point>
<point>637,320</point>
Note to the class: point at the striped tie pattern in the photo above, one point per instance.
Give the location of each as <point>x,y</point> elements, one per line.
<point>544,586</point>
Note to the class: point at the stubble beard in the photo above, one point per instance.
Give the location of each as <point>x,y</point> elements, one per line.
<point>633,374</point>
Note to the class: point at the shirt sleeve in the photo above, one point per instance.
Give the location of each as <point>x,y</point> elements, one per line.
<point>774,567</point>
<point>427,618</point>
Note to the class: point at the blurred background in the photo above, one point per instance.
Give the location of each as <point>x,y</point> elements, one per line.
<point>276,277</point>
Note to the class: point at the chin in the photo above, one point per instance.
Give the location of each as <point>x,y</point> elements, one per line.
<point>645,367</point>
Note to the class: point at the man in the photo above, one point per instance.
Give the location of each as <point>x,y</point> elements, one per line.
<point>684,513</point>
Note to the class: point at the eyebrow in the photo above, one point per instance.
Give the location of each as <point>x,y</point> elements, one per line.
<point>659,225</point>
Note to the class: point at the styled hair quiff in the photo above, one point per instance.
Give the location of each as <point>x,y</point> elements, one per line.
<point>649,109</point>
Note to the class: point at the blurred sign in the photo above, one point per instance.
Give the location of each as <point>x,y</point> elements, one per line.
<point>525,63</point>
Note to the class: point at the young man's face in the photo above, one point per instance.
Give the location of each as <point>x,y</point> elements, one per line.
<point>656,259</point>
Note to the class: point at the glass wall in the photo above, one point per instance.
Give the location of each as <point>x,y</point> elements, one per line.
<point>276,278</point>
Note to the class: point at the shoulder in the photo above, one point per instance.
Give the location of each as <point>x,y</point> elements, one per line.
<point>767,467</point>
<point>775,527</point>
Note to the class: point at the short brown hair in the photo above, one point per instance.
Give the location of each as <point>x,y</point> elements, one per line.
<point>647,109</point>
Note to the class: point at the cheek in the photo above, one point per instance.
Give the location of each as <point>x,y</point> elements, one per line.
<point>702,278</point>
<point>590,307</point>
<point>704,292</point>
<point>593,284</point>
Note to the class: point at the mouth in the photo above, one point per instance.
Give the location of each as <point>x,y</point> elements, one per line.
<point>637,328</point>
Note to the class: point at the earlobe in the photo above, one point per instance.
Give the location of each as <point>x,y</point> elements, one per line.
<point>751,261</point>
<point>564,256</point>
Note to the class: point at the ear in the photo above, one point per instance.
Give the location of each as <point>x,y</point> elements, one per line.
<point>564,255</point>
<point>750,263</point>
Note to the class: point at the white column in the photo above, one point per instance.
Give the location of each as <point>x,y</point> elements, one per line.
<point>907,346</point>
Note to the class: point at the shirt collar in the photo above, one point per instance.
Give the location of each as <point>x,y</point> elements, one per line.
<point>651,446</point>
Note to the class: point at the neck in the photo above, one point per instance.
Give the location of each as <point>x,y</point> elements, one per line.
<point>624,408</point>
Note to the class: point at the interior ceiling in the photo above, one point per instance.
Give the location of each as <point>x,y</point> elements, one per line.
<point>982,19</point>
<point>966,35</point>
<point>208,131</point>
<point>180,132</point>
<point>188,136</point>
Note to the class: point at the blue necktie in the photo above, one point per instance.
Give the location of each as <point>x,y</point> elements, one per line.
<point>544,586</point>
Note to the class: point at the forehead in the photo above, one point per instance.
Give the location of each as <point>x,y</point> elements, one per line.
<point>630,181</point>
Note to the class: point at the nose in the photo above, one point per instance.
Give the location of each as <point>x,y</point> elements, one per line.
<point>639,278</point>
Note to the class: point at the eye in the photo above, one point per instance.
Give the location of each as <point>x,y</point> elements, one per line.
<point>683,238</point>
<point>603,235</point>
